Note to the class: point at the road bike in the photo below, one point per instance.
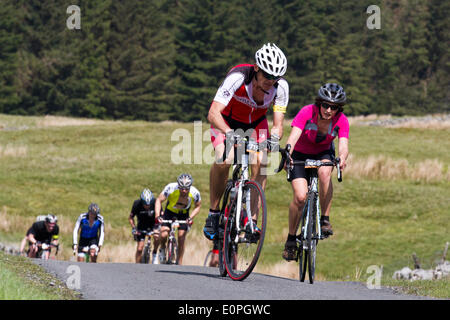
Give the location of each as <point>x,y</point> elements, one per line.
<point>309,226</point>
<point>243,215</point>
<point>208,258</point>
<point>171,254</point>
<point>44,250</point>
<point>146,253</point>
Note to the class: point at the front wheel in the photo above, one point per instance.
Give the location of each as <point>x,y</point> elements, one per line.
<point>171,252</point>
<point>242,245</point>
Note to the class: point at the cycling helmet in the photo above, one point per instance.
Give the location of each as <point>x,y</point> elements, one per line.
<point>51,218</point>
<point>184,180</point>
<point>332,92</point>
<point>146,197</point>
<point>94,208</point>
<point>271,60</point>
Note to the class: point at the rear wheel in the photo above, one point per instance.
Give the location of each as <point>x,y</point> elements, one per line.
<point>242,247</point>
<point>146,255</point>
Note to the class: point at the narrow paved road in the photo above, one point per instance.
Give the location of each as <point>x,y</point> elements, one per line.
<point>127,281</point>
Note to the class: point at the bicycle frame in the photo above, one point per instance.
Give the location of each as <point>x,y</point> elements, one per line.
<point>240,176</point>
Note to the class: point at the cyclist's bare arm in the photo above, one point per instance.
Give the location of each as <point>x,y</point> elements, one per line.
<point>161,198</point>
<point>131,220</point>
<point>32,239</point>
<point>215,117</point>
<point>293,137</point>
<point>196,209</point>
<point>343,152</point>
<point>278,118</point>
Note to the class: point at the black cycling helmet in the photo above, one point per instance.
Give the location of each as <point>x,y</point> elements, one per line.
<point>184,180</point>
<point>332,92</point>
<point>94,208</point>
<point>51,218</point>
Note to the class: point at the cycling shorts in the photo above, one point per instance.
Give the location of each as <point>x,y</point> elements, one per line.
<point>86,242</point>
<point>258,133</point>
<point>141,237</point>
<point>300,171</point>
<point>169,215</point>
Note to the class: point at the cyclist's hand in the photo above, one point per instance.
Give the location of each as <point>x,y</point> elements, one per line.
<point>45,246</point>
<point>134,231</point>
<point>190,221</point>
<point>159,219</point>
<point>273,143</point>
<point>342,163</point>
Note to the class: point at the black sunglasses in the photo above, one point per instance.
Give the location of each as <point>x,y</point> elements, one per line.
<point>269,76</point>
<point>331,106</point>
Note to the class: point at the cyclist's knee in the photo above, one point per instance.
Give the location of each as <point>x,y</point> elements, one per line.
<point>299,199</point>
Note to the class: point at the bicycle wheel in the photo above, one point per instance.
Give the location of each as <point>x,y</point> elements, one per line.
<point>302,256</point>
<point>311,239</point>
<point>224,213</point>
<point>145,258</point>
<point>171,259</point>
<point>242,247</point>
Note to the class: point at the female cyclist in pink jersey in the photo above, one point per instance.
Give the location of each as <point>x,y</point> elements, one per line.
<point>313,131</point>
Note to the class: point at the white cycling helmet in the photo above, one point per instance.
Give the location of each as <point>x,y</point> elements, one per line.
<point>271,60</point>
<point>146,197</point>
<point>184,180</point>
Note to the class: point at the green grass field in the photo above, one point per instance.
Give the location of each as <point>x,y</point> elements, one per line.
<point>60,165</point>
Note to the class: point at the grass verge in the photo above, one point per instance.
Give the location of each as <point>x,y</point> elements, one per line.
<point>20,279</point>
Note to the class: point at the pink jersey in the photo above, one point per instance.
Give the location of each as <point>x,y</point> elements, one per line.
<point>309,142</point>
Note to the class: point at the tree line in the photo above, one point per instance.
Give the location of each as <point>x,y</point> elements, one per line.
<point>164,59</point>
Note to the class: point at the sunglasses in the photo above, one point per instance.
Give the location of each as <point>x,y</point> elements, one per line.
<point>331,106</point>
<point>269,76</point>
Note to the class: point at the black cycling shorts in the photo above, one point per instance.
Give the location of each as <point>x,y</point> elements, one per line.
<point>169,215</point>
<point>300,171</point>
<point>85,242</point>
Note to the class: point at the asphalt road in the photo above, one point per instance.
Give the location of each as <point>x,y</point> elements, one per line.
<point>126,281</point>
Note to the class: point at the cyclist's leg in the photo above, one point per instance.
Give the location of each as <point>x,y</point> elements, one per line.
<point>214,262</point>
<point>139,248</point>
<point>181,243</point>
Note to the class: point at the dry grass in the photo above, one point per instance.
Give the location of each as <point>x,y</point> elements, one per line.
<point>55,121</point>
<point>13,151</point>
<point>382,167</point>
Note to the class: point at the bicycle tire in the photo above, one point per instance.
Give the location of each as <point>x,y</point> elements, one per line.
<point>302,256</point>
<point>222,221</point>
<point>311,242</point>
<point>241,256</point>
<point>146,255</point>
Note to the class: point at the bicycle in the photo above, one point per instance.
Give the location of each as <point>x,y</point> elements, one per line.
<point>85,250</point>
<point>310,231</point>
<point>43,248</point>
<point>146,252</point>
<point>243,215</point>
<point>171,256</point>
<point>208,257</point>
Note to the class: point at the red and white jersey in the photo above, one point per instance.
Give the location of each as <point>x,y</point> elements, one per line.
<point>236,92</point>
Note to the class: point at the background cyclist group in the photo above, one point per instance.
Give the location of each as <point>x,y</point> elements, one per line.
<point>240,105</point>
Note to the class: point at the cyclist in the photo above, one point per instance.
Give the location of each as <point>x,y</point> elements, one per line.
<point>92,233</point>
<point>44,231</point>
<point>181,196</point>
<point>313,131</point>
<point>144,210</point>
<point>241,103</point>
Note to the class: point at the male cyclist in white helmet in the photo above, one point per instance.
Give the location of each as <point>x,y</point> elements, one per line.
<point>181,196</point>
<point>144,210</point>
<point>241,102</point>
